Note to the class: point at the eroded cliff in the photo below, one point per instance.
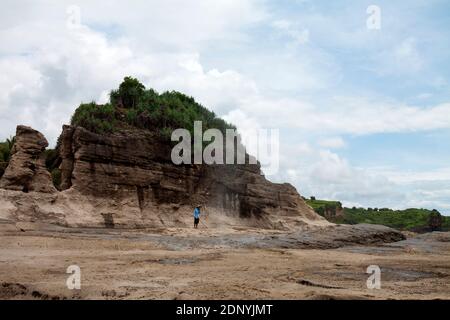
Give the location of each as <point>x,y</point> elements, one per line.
<point>127,179</point>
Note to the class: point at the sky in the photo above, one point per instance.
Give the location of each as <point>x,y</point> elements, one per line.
<point>363,113</point>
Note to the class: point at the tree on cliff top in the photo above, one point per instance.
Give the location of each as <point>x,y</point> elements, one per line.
<point>129,93</point>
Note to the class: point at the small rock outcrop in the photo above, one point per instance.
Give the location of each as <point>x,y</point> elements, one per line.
<point>26,170</point>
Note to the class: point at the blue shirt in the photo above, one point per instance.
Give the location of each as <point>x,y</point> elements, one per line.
<point>196,213</point>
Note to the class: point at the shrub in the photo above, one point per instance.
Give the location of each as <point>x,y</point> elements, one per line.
<point>165,133</point>
<point>52,159</point>
<point>134,105</point>
<point>6,148</point>
<point>130,91</point>
<point>131,116</point>
<point>435,220</point>
<point>56,178</point>
<point>96,118</point>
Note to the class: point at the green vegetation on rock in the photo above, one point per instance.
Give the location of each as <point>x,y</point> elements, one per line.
<point>6,148</point>
<point>5,153</point>
<point>325,208</point>
<point>96,118</point>
<point>132,105</point>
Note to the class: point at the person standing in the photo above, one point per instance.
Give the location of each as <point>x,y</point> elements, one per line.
<point>196,216</point>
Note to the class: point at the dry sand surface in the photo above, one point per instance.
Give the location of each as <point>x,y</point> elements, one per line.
<point>229,263</point>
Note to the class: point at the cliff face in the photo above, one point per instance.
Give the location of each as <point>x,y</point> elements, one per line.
<point>127,179</point>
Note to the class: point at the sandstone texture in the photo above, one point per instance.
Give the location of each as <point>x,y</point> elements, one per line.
<point>127,179</point>
<point>26,170</point>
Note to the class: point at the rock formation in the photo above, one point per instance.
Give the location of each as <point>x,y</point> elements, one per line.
<point>127,179</point>
<point>26,170</point>
<point>116,171</point>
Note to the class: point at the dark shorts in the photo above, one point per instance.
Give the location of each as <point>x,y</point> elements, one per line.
<point>196,220</point>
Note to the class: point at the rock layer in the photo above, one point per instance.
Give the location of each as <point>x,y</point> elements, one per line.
<point>136,165</point>
<point>127,179</point>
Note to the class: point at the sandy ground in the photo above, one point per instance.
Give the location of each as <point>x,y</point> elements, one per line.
<point>205,264</point>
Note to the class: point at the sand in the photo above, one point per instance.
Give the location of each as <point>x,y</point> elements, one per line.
<point>177,263</point>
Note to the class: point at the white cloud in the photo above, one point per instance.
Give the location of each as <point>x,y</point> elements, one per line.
<point>220,91</point>
<point>346,115</point>
<point>326,175</point>
<point>43,88</point>
<point>329,176</point>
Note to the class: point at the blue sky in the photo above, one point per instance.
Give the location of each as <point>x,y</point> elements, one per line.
<point>364,115</point>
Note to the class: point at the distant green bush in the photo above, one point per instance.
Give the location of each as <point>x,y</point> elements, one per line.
<point>408,219</point>
<point>412,219</point>
<point>435,220</point>
<point>445,223</point>
<point>324,207</point>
